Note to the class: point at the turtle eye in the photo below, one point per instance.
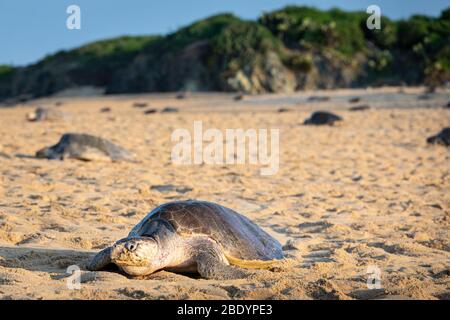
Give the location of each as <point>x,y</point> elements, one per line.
<point>131,246</point>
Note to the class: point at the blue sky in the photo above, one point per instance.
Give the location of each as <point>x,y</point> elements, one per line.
<point>29,30</point>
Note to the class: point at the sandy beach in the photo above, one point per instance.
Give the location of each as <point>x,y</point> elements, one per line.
<point>367,193</point>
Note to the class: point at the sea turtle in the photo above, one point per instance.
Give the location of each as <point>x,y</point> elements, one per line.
<point>442,137</point>
<point>169,110</point>
<point>354,99</point>
<point>140,104</point>
<point>361,107</point>
<point>323,117</point>
<point>41,114</point>
<point>150,111</point>
<point>105,109</point>
<point>183,95</point>
<point>425,96</point>
<point>192,236</point>
<point>84,147</point>
<point>240,96</point>
<point>318,99</point>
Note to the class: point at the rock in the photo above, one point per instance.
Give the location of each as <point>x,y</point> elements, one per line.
<point>240,82</point>
<point>269,76</point>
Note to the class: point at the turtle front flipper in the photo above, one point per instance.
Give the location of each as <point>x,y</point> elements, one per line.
<point>212,264</point>
<point>100,260</point>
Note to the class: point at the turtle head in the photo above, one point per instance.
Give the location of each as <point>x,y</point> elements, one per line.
<point>44,153</point>
<point>48,153</point>
<point>36,115</point>
<point>136,256</point>
<point>32,116</point>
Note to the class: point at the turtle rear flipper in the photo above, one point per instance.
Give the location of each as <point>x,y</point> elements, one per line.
<point>212,264</point>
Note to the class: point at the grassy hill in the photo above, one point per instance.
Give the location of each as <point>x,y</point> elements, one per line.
<point>285,50</point>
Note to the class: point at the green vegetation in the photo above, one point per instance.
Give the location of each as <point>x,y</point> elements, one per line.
<point>316,46</point>
<point>6,77</point>
<point>242,44</point>
<point>202,30</point>
<point>6,71</point>
<point>308,28</point>
<point>384,38</point>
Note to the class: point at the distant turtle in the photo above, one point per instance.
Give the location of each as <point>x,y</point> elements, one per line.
<point>41,114</point>
<point>84,147</point>
<point>318,98</point>
<point>442,137</point>
<point>361,107</point>
<point>192,237</point>
<point>169,110</point>
<point>140,104</point>
<point>238,97</point>
<point>150,111</point>
<point>323,117</point>
<point>183,95</point>
<point>425,96</point>
<point>354,99</point>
